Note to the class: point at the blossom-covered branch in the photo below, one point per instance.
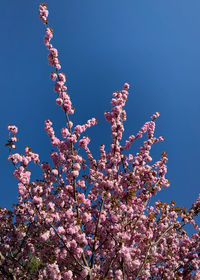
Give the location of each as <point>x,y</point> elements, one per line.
<point>93,218</point>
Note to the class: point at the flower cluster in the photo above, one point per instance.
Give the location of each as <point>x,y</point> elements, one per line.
<point>43,11</point>
<point>59,78</point>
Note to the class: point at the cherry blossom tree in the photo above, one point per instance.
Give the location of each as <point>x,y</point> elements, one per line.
<point>93,218</point>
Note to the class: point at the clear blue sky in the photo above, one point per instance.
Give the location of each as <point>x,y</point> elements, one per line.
<point>154,45</point>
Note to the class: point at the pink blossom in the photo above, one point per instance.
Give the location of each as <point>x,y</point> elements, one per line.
<point>87,217</point>
<point>72,138</point>
<point>55,141</point>
<point>26,160</point>
<point>15,158</point>
<point>78,129</point>
<point>61,230</point>
<point>54,52</point>
<point>43,12</point>
<point>49,33</point>
<point>37,200</point>
<point>155,116</point>
<point>53,76</point>
<point>58,86</point>
<point>13,128</point>
<point>65,132</point>
<point>126,86</point>
<point>54,172</point>
<point>70,124</point>
<point>22,189</point>
<point>45,235</point>
<point>84,142</point>
<point>62,77</point>
<point>58,66</point>
<point>84,272</point>
<point>75,173</point>
<point>51,206</point>
<point>136,264</point>
<point>70,230</point>
<point>68,275</point>
<point>54,271</point>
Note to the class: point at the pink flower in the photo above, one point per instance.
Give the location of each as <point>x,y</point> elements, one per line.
<point>54,52</point>
<point>73,244</point>
<point>75,173</point>
<point>54,172</point>
<point>68,275</point>
<point>15,158</point>
<point>26,160</point>
<point>65,132</point>
<point>77,166</point>
<point>12,128</point>
<point>72,138</point>
<point>49,33</point>
<point>70,124</point>
<point>58,66</point>
<point>62,77</point>
<point>92,122</point>
<point>37,200</point>
<point>58,86</point>
<point>45,235</point>
<point>43,12</point>
<point>51,206</point>
<point>136,264</point>
<point>155,116</point>
<point>118,274</point>
<point>126,86</point>
<point>84,272</point>
<point>54,271</point>
<point>84,142</point>
<point>78,129</point>
<point>59,101</point>
<point>55,141</point>
<point>22,189</point>
<point>53,76</point>
<point>87,217</point>
<point>61,230</point>
<point>70,230</point>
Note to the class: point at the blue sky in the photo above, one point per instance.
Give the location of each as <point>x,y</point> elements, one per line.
<point>153,45</point>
